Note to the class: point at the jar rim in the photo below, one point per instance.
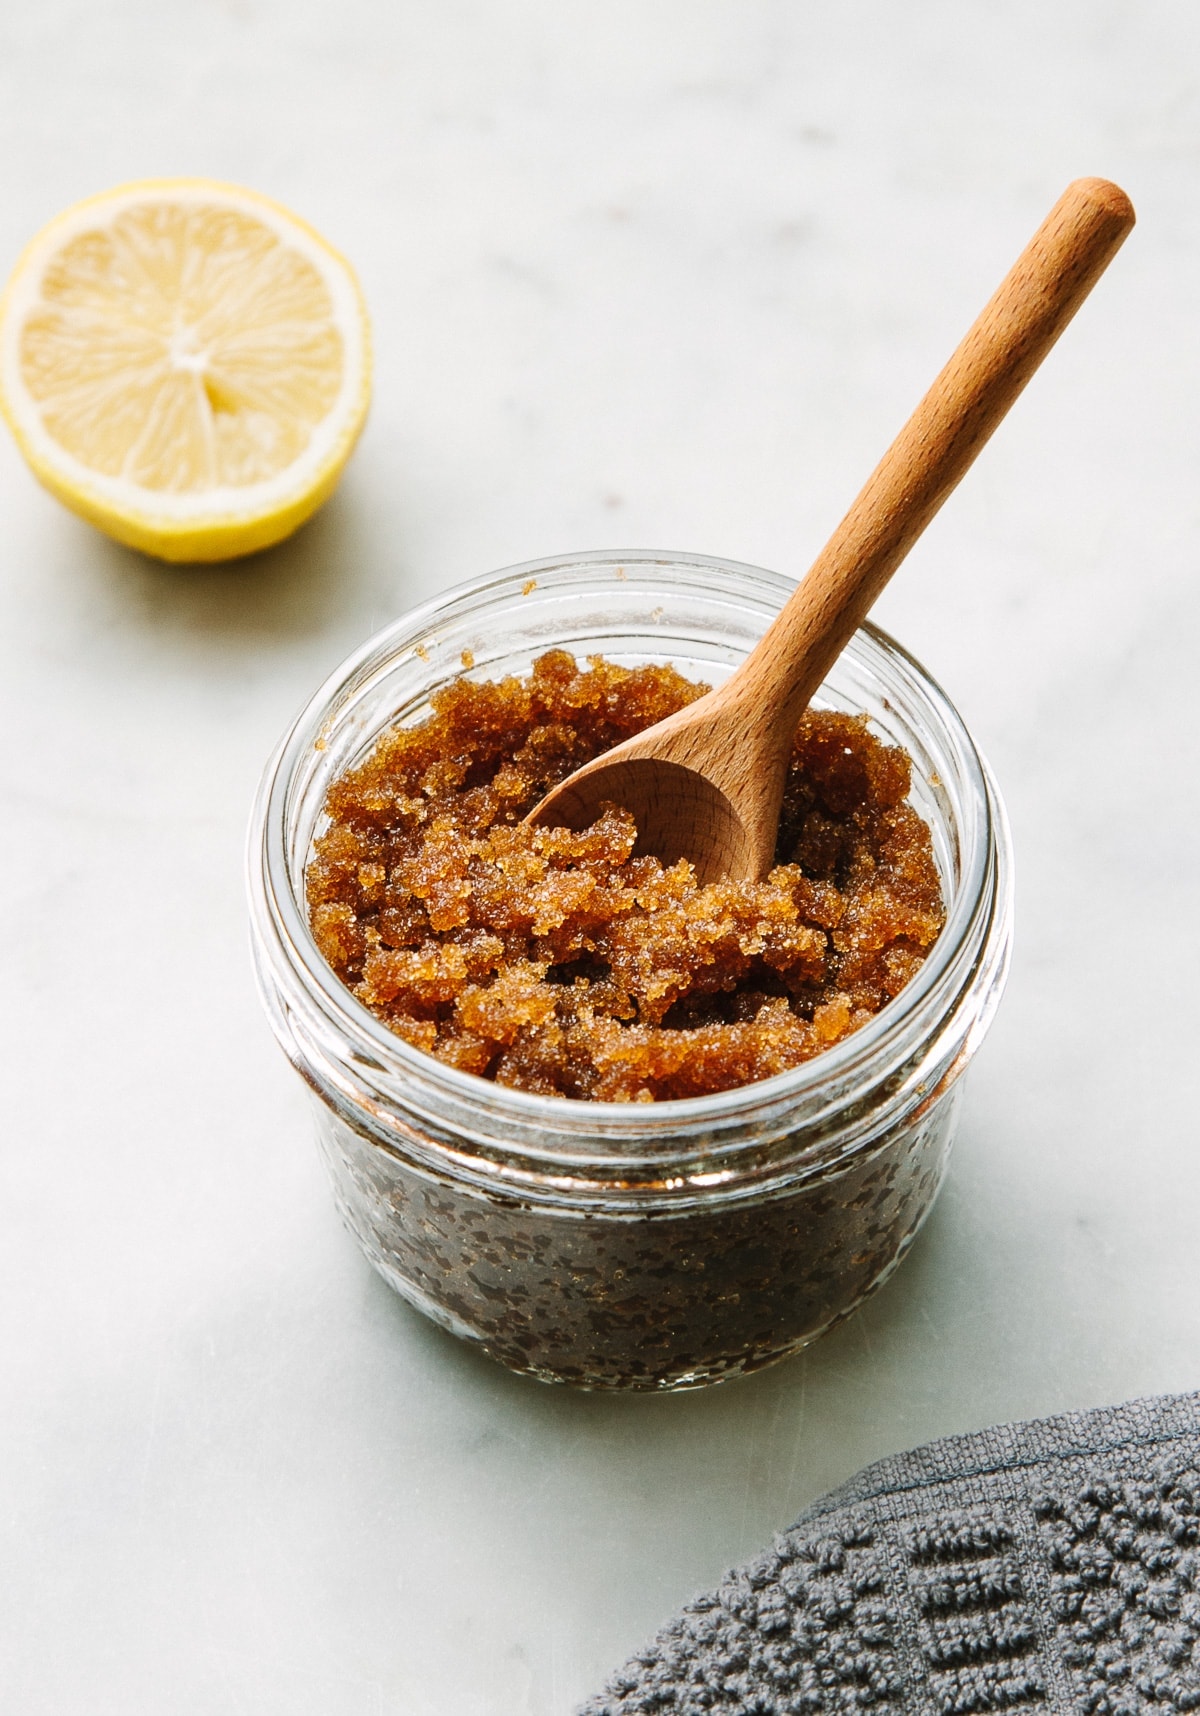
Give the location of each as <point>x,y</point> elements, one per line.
<point>276,892</point>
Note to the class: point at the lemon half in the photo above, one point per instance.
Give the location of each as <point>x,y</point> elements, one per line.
<point>186,364</point>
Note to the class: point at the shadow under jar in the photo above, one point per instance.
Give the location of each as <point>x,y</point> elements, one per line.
<point>632,1246</point>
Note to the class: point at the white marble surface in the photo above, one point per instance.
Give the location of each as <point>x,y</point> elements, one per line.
<point>658,275</point>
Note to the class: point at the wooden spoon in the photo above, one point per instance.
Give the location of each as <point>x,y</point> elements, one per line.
<point>707,783</point>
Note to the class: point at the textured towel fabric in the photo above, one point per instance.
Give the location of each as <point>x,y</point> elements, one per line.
<point>1049,1568</point>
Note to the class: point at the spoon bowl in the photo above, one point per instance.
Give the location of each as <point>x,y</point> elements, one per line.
<point>679,813</point>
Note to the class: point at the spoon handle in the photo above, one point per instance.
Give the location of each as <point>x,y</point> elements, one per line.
<point>1033,304</point>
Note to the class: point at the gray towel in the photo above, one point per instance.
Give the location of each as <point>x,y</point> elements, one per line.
<point>1047,1567</point>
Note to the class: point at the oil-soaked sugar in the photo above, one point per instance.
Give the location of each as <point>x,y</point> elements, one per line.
<point>559,963</point>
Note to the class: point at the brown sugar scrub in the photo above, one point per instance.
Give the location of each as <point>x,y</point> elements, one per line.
<point>563,964</point>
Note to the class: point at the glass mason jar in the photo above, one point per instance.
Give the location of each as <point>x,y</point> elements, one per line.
<point>636,1246</point>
